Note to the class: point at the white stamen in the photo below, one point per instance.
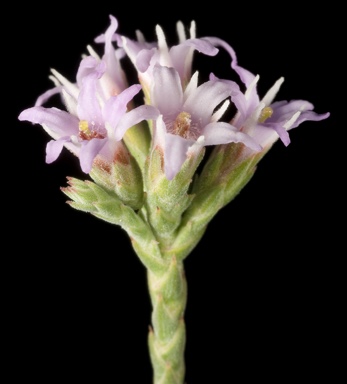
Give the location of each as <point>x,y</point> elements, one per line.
<point>252,121</point>
<point>196,147</point>
<point>192,30</point>
<point>55,81</point>
<point>163,48</point>
<point>220,112</point>
<point>74,139</point>
<point>272,92</point>
<point>257,113</point>
<point>251,86</point>
<point>72,88</point>
<point>140,37</point>
<point>292,120</point>
<point>70,102</point>
<point>192,85</point>
<point>181,32</point>
<point>109,129</point>
<point>127,50</point>
<point>92,52</point>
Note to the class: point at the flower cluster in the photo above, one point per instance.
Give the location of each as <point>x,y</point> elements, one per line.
<point>142,145</point>
<point>182,114</point>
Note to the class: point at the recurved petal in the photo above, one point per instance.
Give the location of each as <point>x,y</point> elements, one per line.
<point>132,48</point>
<point>281,131</point>
<point>309,116</point>
<point>267,133</point>
<point>223,133</point>
<point>284,110</point>
<point>109,35</point>
<point>87,66</point>
<point>47,95</point>
<point>245,75</point>
<point>179,54</point>
<point>59,123</point>
<point>116,106</point>
<point>54,148</point>
<point>114,68</point>
<point>133,117</point>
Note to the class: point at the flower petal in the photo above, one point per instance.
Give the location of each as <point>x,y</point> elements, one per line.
<point>143,59</point>
<point>88,107</point>
<point>58,122</point>
<point>89,151</point>
<point>309,116</point>
<point>90,65</point>
<point>283,110</point>
<point>114,69</point>
<point>224,133</point>
<point>280,130</point>
<point>176,148</point>
<point>245,75</point>
<point>133,117</point>
<point>132,48</point>
<point>202,102</point>
<point>54,148</point>
<point>47,95</point>
<point>167,94</point>
<point>181,55</point>
<point>116,106</point>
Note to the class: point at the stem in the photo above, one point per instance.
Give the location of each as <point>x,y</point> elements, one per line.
<point>167,338</point>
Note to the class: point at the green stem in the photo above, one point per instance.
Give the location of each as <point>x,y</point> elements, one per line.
<point>167,337</point>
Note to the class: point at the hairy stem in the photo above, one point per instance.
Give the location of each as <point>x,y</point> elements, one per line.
<point>167,336</point>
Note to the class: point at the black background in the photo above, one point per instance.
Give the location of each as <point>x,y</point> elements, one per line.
<point>264,283</point>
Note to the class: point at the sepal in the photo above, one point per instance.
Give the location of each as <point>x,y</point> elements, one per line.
<point>166,200</point>
<point>122,177</point>
<point>229,168</point>
<point>83,194</point>
<point>137,140</point>
<point>224,175</point>
<point>90,197</point>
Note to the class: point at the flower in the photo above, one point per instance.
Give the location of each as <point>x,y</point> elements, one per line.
<point>87,129</point>
<point>146,55</point>
<point>264,120</point>
<point>186,112</point>
<point>111,83</point>
<point>186,116</point>
<point>188,119</point>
